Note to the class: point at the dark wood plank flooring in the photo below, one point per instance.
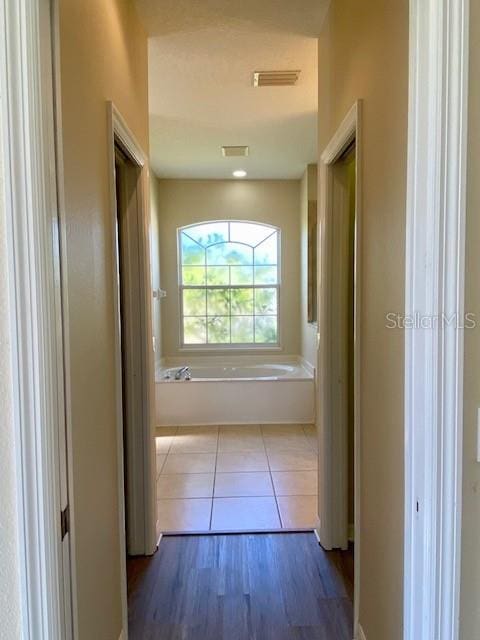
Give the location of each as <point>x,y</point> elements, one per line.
<point>241,587</point>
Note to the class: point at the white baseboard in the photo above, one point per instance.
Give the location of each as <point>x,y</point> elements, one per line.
<point>316,531</point>
<point>361,634</point>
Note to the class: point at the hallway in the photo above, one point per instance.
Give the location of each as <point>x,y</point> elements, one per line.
<point>241,587</point>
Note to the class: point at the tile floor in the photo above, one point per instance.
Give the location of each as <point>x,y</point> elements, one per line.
<point>236,478</point>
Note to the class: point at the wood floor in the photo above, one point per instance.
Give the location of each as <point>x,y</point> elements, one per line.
<point>279,586</point>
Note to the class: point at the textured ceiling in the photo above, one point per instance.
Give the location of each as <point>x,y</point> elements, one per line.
<point>201,58</point>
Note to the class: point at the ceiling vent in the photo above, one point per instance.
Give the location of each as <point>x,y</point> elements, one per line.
<point>275,78</point>
<point>234,152</point>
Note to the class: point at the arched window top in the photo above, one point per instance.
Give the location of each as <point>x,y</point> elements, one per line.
<point>229,283</point>
<point>251,234</point>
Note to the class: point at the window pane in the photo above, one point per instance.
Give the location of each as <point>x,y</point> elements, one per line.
<point>194,331</point>
<point>265,329</point>
<point>218,330</point>
<point>266,252</point>
<point>192,253</point>
<point>242,302</point>
<point>218,302</point>
<point>241,275</point>
<point>207,234</point>
<point>265,275</point>
<point>193,275</point>
<point>194,302</point>
<point>265,301</point>
<point>229,271</point>
<point>242,330</point>
<point>249,233</point>
<point>218,275</point>
<point>229,253</point>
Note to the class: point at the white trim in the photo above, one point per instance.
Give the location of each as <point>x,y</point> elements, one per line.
<point>333,525</point>
<point>36,315</point>
<point>316,532</point>
<point>145,541</point>
<point>361,634</point>
<point>57,97</point>
<point>343,136</point>
<point>435,286</point>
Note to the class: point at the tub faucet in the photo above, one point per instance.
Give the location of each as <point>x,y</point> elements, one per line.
<point>180,372</point>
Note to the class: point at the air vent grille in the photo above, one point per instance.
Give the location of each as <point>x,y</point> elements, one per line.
<point>275,78</point>
<point>234,151</point>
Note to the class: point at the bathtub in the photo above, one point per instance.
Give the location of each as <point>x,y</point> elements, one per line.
<point>242,390</point>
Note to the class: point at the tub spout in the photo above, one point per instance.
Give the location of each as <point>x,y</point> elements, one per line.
<point>180,372</point>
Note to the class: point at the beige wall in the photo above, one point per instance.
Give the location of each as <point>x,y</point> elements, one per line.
<point>274,202</point>
<point>363,53</point>
<point>103,57</point>
<point>470,578</point>
<point>155,265</point>
<point>308,193</point>
<point>9,560</point>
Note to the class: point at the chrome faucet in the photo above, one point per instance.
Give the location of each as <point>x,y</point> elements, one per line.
<point>180,372</point>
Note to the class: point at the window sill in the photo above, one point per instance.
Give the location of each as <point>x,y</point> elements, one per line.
<point>208,349</point>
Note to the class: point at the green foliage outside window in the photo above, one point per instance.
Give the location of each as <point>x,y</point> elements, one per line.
<point>229,282</point>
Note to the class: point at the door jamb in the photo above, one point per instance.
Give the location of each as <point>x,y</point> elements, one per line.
<point>333,455</point>
<point>435,259</point>
<point>36,293</point>
<point>145,542</point>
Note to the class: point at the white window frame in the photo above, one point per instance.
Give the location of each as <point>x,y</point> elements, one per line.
<point>247,346</point>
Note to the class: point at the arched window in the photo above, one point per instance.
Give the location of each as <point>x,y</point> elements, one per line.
<point>229,283</point>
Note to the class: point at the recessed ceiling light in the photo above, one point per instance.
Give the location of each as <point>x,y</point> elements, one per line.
<point>239,173</point>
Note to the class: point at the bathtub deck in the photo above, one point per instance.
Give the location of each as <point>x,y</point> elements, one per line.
<point>236,478</point>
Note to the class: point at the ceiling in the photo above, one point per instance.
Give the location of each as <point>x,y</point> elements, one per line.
<point>201,59</point>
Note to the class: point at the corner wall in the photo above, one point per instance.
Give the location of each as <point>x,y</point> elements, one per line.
<point>276,202</point>
<point>155,266</point>
<point>103,57</point>
<point>363,53</point>
<point>308,194</point>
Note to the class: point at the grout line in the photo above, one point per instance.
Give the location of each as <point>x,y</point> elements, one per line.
<point>214,478</point>
<point>271,478</point>
<point>263,495</point>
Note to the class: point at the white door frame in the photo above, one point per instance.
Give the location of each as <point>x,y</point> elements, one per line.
<point>37,300</point>
<point>332,530</point>
<point>141,451</point>
<point>435,289</point>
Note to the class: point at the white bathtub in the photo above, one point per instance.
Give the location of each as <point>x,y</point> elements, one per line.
<point>242,390</point>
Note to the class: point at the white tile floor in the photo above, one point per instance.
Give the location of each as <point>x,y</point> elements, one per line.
<point>236,478</point>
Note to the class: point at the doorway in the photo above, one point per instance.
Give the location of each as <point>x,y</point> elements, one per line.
<point>339,348</point>
<point>133,347</point>
<point>127,175</point>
